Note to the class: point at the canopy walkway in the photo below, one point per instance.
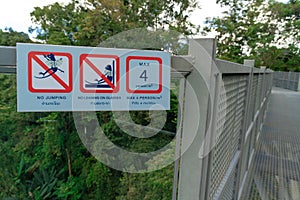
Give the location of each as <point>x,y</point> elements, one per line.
<point>276,167</point>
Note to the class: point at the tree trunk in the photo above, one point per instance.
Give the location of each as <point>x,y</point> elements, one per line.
<point>69,161</point>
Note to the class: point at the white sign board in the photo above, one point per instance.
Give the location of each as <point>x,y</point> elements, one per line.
<point>68,78</point>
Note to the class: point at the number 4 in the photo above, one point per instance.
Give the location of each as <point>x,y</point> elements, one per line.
<point>144,75</point>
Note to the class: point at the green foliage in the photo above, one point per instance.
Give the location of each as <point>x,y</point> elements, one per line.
<point>72,189</point>
<point>9,37</point>
<point>93,21</point>
<point>260,30</point>
<point>42,156</point>
<point>43,183</point>
<point>9,164</point>
<point>35,150</point>
<point>58,23</point>
<point>103,182</point>
<point>142,186</point>
<point>289,9</point>
<point>172,41</point>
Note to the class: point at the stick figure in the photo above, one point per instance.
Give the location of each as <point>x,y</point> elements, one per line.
<point>107,74</point>
<point>51,60</point>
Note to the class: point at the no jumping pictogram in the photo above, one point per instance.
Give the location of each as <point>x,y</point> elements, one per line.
<point>49,72</point>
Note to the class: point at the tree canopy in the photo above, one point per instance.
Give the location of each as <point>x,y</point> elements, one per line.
<point>9,37</point>
<point>267,31</point>
<point>92,21</point>
<point>43,156</point>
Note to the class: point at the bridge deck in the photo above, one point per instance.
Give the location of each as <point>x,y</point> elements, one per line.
<point>276,168</point>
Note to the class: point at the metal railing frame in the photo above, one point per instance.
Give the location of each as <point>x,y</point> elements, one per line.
<point>287,80</point>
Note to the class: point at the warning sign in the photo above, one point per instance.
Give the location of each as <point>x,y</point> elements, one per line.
<point>49,72</point>
<point>99,73</point>
<point>144,75</point>
<point>71,78</point>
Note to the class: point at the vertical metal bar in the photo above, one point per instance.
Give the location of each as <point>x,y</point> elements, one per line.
<point>298,82</point>
<point>262,101</point>
<point>261,92</point>
<point>215,110</point>
<point>245,126</point>
<point>196,112</point>
<point>212,132</point>
<point>178,136</point>
<point>248,99</point>
<point>289,80</point>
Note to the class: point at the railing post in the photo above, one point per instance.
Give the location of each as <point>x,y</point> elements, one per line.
<point>245,126</point>
<point>263,93</point>
<point>178,137</point>
<point>250,64</point>
<point>298,82</point>
<point>193,169</point>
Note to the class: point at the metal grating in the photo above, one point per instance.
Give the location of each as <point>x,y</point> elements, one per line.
<point>228,191</point>
<point>276,168</point>
<point>244,162</point>
<point>287,80</point>
<point>229,126</point>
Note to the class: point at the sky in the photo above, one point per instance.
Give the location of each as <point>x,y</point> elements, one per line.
<point>16,13</point>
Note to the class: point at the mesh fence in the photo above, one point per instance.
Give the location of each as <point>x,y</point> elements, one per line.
<point>287,80</point>
<point>240,113</point>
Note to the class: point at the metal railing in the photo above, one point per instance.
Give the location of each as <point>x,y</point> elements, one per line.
<point>232,116</point>
<point>287,80</point>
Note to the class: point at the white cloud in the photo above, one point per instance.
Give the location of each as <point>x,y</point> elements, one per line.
<point>207,9</point>
<point>16,13</point>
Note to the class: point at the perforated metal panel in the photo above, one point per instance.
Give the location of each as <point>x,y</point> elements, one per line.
<point>229,189</point>
<point>287,80</point>
<point>231,108</point>
<point>244,161</point>
<point>234,96</point>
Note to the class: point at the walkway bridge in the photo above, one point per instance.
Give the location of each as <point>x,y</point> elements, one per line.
<point>224,148</point>
<point>275,173</point>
